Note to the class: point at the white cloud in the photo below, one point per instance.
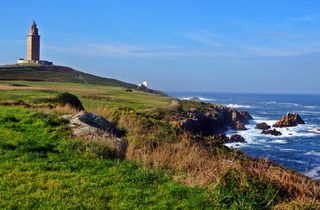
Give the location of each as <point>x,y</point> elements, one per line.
<point>205,37</point>
<point>307,18</point>
<point>214,46</point>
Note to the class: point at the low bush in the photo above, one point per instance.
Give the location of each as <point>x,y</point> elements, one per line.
<point>68,99</point>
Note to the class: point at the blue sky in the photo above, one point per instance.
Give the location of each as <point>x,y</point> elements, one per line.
<point>176,45</point>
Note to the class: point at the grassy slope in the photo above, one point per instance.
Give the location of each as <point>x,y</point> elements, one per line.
<point>41,168</point>
<point>56,74</point>
<point>94,97</point>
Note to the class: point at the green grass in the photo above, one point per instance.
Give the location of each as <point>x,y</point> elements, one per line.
<point>93,97</point>
<point>42,168</point>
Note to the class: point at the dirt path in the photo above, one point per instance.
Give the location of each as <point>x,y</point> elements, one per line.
<point>173,105</point>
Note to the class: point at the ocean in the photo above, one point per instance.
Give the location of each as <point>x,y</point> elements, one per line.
<point>298,148</point>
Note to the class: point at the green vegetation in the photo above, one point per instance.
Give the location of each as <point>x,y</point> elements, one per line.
<point>41,168</point>
<point>93,97</point>
<point>56,74</point>
<point>64,99</point>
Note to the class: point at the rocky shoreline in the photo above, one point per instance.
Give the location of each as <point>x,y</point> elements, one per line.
<point>214,120</point>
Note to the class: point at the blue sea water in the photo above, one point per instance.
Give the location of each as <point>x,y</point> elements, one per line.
<point>298,148</point>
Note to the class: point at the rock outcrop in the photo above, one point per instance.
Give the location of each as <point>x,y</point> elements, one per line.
<point>263,126</point>
<point>94,127</point>
<point>289,120</point>
<point>236,138</point>
<point>222,138</point>
<point>273,132</point>
<point>213,120</point>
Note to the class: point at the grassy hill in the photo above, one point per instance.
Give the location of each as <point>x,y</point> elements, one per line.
<point>43,166</point>
<point>56,74</point>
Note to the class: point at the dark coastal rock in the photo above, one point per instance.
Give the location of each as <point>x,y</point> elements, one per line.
<point>236,138</point>
<point>210,120</point>
<point>220,138</point>
<point>263,126</point>
<point>245,116</point>
<point>289,120</point>
<point>199,123</point>
<point>273,132</point>
<point>240,126</point>
<point>239,119</point>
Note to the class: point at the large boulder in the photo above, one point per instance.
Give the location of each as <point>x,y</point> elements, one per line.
<point>263,126</point>
<point>273,132</point>
<point>245,116</point>
<point>289,120</point>
<point>236,138</point>
<point>90,126</point>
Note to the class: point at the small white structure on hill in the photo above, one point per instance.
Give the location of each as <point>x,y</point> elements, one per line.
<point>144,84</point>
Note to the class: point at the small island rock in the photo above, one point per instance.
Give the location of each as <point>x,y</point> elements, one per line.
<point>289,120</point>
<point>263,126</point>
<point>236,138</point>
<point>273,132</point>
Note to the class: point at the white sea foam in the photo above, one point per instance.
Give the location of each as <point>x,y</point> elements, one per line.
<point>237,106</point>
<point>235,145</point>
<point>315,130</point>
<point>313,153</point>
<point>254,137</point>
<point>286,149</point>
<point>279,141</point>
<point>282,103</point>
<point>315,172</point>
<point>310,107</point>
<point>201,98</point>
<point>309,112</point>
<point>258,118</point>
<point>207,99</point>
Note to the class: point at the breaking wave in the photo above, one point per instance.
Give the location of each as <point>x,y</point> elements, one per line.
<point>237,106</point>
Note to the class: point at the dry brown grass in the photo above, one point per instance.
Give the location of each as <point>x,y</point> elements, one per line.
<point>197,164</point>
<point>297,184</point>
<point>194,165</point>
<point>65,109</point>
<point>299,203</point>
<point>7,87</point>
<point>191,163</point>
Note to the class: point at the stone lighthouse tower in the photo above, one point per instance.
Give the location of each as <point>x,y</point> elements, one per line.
<point>33,43</point>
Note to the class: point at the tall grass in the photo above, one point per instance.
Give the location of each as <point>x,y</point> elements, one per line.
<point>196,163</point>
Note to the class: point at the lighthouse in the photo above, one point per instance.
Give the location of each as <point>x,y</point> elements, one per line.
<point>33,43</point>
<point>33,48</point>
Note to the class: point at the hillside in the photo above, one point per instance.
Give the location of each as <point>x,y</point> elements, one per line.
<point>56,74</point>
<point>164,167</point>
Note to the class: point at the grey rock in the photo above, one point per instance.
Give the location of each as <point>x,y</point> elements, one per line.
<point>96,128</point>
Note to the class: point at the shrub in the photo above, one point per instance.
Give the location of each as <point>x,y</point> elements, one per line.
<point>64,99</point>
